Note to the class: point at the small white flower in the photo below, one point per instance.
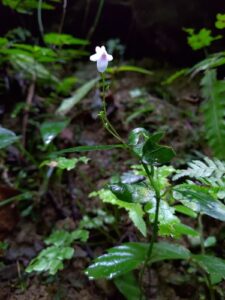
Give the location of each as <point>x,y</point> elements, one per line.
<point>102,58</point>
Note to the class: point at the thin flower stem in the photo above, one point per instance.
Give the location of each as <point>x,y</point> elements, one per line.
<point>103,115</point>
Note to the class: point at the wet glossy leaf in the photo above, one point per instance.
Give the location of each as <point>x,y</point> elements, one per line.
<point>155,153</point>
<point>128,285</point>
<point>137,138</point>
<point>50,129</point>
<point>126,257</point>
<point>69,103</point>
<point>199,200</point>
<point>213,265</point>
<point>7,137</point>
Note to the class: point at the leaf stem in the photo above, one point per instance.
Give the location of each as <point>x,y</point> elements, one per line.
<point>206,276</point>
<point>150,176</point>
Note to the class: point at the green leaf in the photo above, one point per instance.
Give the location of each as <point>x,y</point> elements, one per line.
<point>199,200</point>
<point>154,153</point>
<point>26,6</point>
<point>126,257</point>
<point>185,210</point>
<point>69,103</point>
<point>137,139</point>
<point>66,85</point>
<point>64,163</point>
<point>60,39</point>
<point>210,241</point>
<point>201,39</point>
<point>134,209</point>
<point>30,68</point>
<point>86,149</point>
<point>129,69</point>
<point>127,284</point>
<point>213,91</point>
<point>50,129</point>
<point>212,61</point>
<point>50,260</point>
<point>213,265</point>
<point>7,137</point>
<point>220,21</point>
<point>174,76</point>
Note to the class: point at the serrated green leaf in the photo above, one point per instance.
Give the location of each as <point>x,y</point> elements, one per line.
<point>64,163</point>
<point>135,210</point>
<point>213,91</point>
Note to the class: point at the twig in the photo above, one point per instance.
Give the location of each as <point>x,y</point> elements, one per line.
<point>29,99</point>
<point>39,16</point>
<point>98,15</point>
<point>65,3</point>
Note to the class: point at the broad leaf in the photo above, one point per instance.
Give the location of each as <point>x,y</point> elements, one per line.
<point>50,129</point>
<point>134,209</point>
<point>137,139</point>
<point>69,103</point>
<point>128,285</point>
<point>125,258</point>
<point>213,265</point>
<point>7,137</point>
<point>64,163</point>
<point>199,200</point>
<point>63,39</point>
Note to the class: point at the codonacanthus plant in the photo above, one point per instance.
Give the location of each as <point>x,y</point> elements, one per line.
<point>151,200</point>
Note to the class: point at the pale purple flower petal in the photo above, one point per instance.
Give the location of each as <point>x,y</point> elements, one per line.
<point>102,58</point>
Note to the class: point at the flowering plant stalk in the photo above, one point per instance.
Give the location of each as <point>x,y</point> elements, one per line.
<point>102,58</point>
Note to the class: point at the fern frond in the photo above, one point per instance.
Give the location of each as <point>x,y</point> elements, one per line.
<point>213,108</point>
<point>207,171</point>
